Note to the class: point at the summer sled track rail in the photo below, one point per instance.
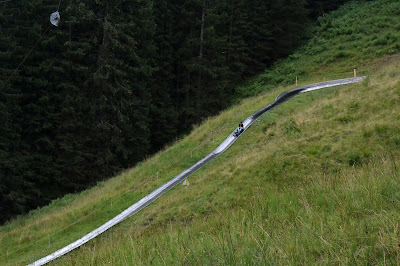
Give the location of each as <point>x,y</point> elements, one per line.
<point>182,176</point>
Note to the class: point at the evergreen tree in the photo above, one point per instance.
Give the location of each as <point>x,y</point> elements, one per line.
<point>120,86</point>
<point>290,18</point>
<point>76,160</point>
<point>320,7</point>
<point>163,110</point>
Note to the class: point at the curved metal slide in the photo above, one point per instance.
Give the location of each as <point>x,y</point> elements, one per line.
<point>182,176</point>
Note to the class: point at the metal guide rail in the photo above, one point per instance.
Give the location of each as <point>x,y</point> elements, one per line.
<point>182,176</point>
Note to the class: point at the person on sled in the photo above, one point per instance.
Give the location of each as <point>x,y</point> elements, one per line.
<point>239,130</point>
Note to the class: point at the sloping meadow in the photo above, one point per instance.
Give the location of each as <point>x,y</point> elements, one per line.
<point>316,180</point>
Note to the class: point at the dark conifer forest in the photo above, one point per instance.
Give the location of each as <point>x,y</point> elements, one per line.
<point>119,79</point>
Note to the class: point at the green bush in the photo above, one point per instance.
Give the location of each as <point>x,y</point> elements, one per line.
<point>354,158</point>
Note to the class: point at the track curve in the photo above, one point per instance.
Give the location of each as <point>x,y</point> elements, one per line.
<point>182,176</point>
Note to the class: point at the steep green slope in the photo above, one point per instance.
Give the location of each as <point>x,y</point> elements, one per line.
<point>316,180</point>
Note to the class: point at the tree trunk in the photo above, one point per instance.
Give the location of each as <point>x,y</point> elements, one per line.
<point>70,31</point>
<point>198,91</point>
<point>202,29</point>
<point>230,34</point>
<point>70,25</point>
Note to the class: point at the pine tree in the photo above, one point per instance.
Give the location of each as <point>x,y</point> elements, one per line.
<point>120,86</point>
<point>163,111</point>
<point>76,159</point>
<point>290,18</point>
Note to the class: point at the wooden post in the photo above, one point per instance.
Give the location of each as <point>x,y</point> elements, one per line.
<point>296,80</point>
<point>355,73</point>
<point>191,154</point>
<point>111,203</point>
<point>49,240</point>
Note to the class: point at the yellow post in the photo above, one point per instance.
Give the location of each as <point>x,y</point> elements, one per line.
<point>296,80</point>
<point>355,73</point>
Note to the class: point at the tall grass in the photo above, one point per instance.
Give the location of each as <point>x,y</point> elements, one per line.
<point>314,181</point>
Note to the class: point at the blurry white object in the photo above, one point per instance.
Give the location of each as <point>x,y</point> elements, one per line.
<point>55,18</point>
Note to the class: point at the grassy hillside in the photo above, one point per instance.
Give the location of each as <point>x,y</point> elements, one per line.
<point>315,180</point>
<point>348,38</point>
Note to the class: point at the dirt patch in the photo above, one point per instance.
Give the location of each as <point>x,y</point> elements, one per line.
<point>299,121</point>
